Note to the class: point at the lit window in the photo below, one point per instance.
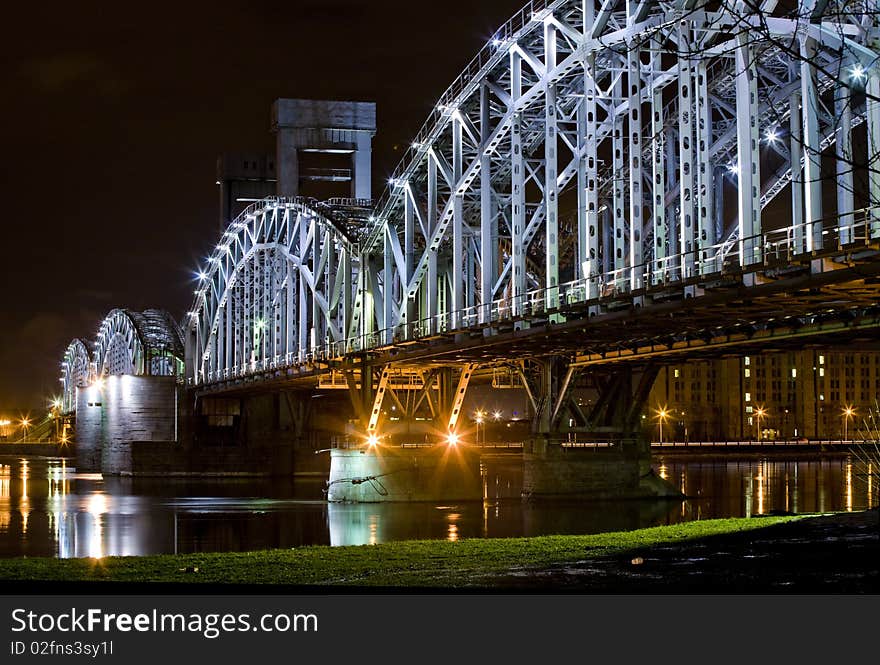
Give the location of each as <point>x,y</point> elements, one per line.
<point>821,360</point>
<point>793,373</point>
<point>748,372</point>
<point>676,373</point>
<point>747,361</point>
<point>748,397</point>
<point>821,371</point>
<point>821,397</point>
<point>748,409</point>
<point>750,420</point>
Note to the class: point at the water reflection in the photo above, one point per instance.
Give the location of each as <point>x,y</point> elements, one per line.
<point>47,508</point>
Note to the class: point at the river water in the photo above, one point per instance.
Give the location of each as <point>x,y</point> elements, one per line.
<point>47,508</point>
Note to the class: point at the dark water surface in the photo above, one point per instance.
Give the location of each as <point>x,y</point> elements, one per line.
<point>47,508</point>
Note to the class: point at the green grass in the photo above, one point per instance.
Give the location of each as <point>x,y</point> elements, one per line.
<point>400,564</point>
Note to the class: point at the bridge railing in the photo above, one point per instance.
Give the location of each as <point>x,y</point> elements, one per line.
<point>774,249</point>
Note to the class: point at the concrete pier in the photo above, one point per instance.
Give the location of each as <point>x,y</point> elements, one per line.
<point>591,471</point>
<point>122,410</point>
<point>377,474</point>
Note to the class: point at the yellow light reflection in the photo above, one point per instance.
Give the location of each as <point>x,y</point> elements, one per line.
<point>374,528</point>
<point>96,507</point>
<point>24,504</point>
<point>870,486</point>
<point>452,531</point>
<point>5,494</point>
<point>760,479</point>
<point>849,488</point>
<point>5,481</point>
<point>663,472</point>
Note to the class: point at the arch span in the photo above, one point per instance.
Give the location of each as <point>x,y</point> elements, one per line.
<point>635,120</point>
<point>276,288</point>
<point>76,372</point>
<point>129,342</point>
<point>596,154</point>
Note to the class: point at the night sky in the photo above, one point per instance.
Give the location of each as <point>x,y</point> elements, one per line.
<point>113,115</point>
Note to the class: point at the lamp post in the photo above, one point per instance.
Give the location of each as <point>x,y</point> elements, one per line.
<point>662,415</point>
<point>848,412</point>
<point>760,412</point>
<point>478,418</point>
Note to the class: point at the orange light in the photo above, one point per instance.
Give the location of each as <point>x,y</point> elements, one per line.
<point>452,439</point>
<point>372,440</point>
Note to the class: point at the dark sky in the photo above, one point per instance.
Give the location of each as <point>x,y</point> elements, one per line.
<point>113,115</point>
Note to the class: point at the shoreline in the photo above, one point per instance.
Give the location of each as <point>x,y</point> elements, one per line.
<point>832,553</point>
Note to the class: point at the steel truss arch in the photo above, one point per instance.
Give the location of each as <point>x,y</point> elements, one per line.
<point>595,153</point>
<point>643,111</point>
<point>277,290</point>
<point>76,372</point>
<point>138,343</point>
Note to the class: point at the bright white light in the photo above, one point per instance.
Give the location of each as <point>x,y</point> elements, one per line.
<point>452,439</point>
<point>733,168</point>
<point>770,136</point>
<point>857,72</point>
<point>202,274</point>
<point>497,42</point>
<point>372,440</point>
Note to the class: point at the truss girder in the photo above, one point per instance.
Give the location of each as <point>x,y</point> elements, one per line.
<point>278,290</point>
<point>616,127</point>
<point>76,372</point>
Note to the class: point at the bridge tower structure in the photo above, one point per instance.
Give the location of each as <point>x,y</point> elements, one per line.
<point>329,127</point>
<point>601,189</point>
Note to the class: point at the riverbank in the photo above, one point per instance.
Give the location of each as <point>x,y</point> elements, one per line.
<point>833,553</point>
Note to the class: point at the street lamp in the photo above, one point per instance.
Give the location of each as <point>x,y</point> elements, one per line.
<point>848,412</point>
<point>760,412</point>
<point>478,418</point>
<point>662,415</point>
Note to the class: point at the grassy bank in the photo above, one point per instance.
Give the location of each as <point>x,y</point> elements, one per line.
<point>400,564</point>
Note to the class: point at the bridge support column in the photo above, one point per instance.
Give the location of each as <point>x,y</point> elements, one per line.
<point>415,455</point>
<point>593,450</point>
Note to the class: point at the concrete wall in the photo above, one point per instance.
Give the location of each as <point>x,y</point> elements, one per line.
<point>409,474</point>
<point>620,472</point>
<point>125,410</point>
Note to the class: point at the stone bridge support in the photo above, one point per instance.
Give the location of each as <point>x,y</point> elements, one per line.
<point>406,448</point>
<point>587,436</point>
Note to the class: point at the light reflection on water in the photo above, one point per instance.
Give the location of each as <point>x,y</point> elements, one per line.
<point>48,509</point>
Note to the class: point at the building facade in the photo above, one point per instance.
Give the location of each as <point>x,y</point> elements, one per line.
<point>811,393</point>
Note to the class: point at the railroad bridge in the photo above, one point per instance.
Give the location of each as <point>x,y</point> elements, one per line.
<point>608,185</point>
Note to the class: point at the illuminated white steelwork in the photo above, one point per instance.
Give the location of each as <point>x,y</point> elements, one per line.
<point>570,100</point>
